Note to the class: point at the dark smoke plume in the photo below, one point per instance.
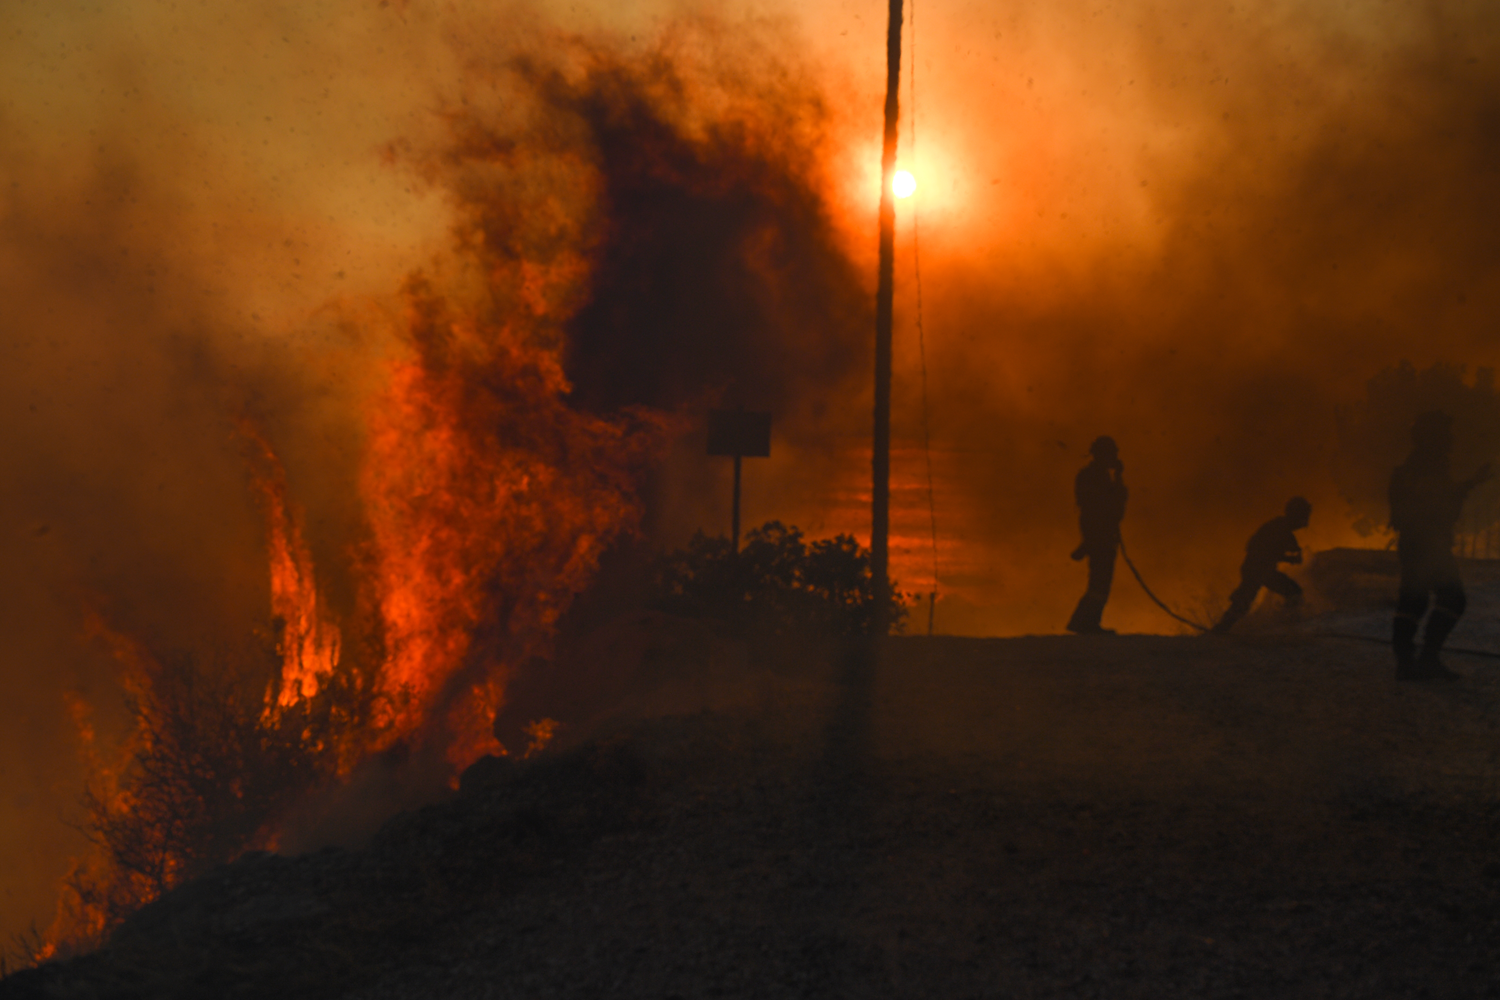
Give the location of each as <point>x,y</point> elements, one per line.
<point>692,178</point>
<point>718,266</point>
<point>448,415</point>
<point>686,186</point>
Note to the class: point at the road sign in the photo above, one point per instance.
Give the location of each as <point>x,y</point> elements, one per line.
<point>743,434</point>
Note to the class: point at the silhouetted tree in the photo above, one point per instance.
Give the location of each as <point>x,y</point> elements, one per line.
<point>212,764</point>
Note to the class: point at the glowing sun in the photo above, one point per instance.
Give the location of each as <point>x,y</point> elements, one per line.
<point>903,184</point>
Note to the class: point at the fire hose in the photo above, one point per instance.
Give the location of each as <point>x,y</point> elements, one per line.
<point>1159,602</point>
<point>1460,650</point>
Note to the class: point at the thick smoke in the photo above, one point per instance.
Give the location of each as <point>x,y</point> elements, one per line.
<point>169,223</point>
<point>692,183</point>
<point>1199,230</point>
<point>718,267</point>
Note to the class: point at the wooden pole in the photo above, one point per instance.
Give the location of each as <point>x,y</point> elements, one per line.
<point>880,503</point>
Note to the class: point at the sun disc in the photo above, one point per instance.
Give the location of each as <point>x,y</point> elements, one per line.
<point>903,184</point>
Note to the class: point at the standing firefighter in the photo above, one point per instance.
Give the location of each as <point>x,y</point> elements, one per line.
<point>1425,505</point>
<point>1273,543</point>
<point>1100,492</point>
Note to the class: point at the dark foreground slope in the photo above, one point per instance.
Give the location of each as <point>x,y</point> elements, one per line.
<point>1137,816</point>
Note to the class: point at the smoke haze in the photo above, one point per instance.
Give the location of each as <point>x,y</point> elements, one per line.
<point>1197,229</point>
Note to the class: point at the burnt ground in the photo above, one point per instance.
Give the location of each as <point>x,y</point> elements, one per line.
<point>1136,816</point>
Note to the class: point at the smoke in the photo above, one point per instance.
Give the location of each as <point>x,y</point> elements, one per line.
<point>691,183</point>
<point>181,292</point>
<point>719,267</point>
<point>1198,230</point>
<point>177,200</point>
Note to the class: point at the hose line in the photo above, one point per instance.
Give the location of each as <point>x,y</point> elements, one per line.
<point>1459,650</point>
<point>1159,602</point>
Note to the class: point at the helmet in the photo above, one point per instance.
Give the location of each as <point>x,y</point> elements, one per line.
<point>1104,447</point>
<point>1299,508</point>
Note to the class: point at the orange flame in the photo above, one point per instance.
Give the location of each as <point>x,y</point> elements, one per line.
<point>309,644</point>
<point>490,503</point>
<point>540,733</point>
<point>83,914</point>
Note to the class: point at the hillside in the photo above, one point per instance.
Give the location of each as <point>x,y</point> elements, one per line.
<point>1268,815</point>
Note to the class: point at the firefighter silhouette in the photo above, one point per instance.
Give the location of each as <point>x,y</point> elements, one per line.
<point>1100,492</point>
<point>1273,543</point>
<point>1425,506</point>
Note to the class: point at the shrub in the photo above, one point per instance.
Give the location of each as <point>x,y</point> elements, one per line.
<point>208,771</point>
<point>777,584</point>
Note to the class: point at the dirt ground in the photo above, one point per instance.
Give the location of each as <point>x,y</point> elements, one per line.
<point>1268,815</point>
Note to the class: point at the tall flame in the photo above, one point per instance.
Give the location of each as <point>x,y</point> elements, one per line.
<point>308,643</point>
<point>489,501</point>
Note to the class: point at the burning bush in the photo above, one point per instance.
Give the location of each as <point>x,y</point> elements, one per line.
<point>209,768</point>
<point>776,584</point>
<point>517,398</point>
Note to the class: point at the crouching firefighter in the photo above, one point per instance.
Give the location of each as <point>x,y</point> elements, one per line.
<point>1425,506</point>
<point>1100,492</point>
<point>1273,543</point>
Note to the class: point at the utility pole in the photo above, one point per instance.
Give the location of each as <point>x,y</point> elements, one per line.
<point>880,504</point>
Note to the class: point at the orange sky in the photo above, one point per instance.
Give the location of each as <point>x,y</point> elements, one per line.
<point>1197,227</point>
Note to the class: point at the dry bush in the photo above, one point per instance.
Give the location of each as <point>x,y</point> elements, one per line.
<point>777,584</point>
<point>209,771</point>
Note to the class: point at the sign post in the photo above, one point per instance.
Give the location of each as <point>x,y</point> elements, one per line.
<point>743,434</point>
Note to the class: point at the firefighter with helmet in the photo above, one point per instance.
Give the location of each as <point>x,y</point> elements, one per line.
<point>1273,543</point>
<point>1100,491</point>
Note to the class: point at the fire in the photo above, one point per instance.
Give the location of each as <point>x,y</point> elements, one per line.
<point>97,891</point>
<point>308,644</point>
<point>540,733</point>
<point>485,497</point>
<point>490,502</point>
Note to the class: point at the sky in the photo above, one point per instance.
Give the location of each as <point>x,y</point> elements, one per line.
<point>1198,227</point>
